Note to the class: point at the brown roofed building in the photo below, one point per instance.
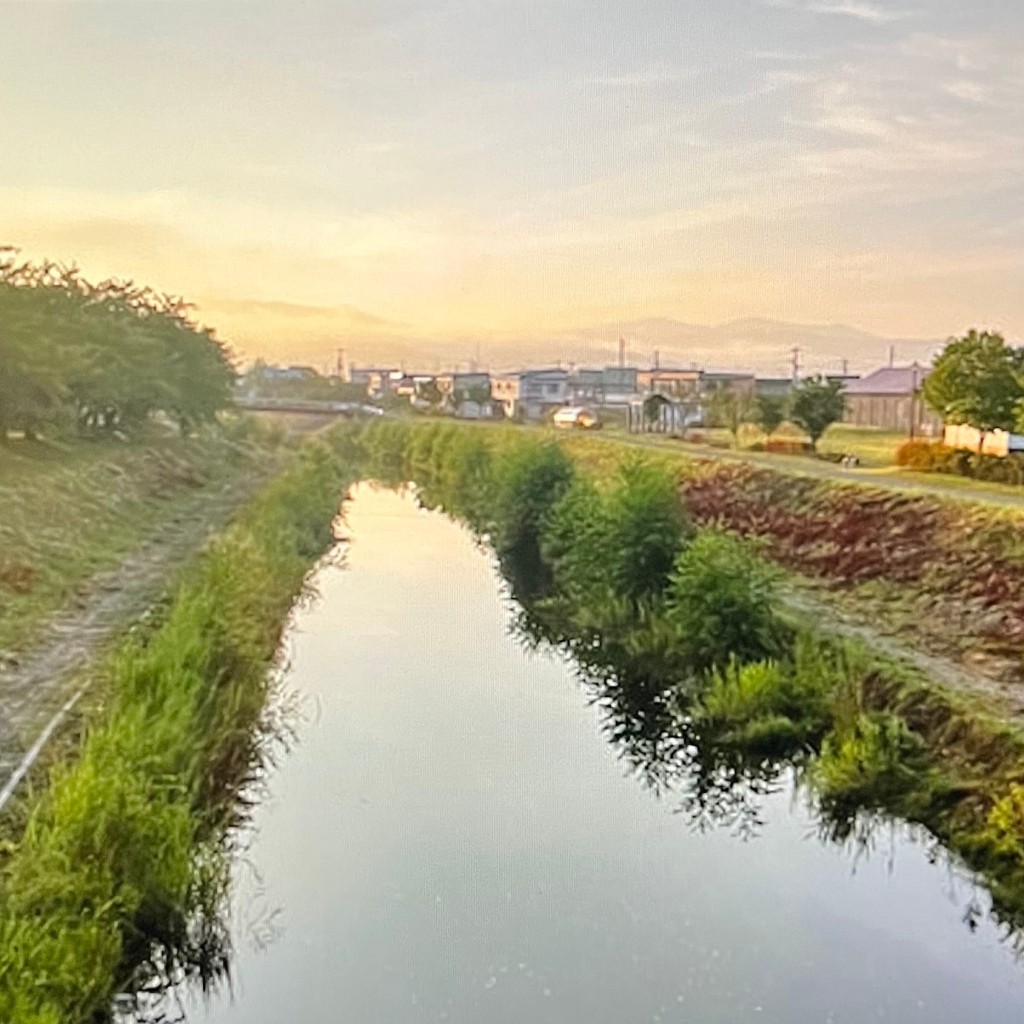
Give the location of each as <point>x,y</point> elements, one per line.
<point>889,398</point>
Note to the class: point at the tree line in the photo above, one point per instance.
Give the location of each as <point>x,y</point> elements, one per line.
<point>100,358</point>
<point>814,404</point>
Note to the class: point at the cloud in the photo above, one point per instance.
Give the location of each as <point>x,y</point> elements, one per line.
<point>858,9</point>
<point>964,89</point>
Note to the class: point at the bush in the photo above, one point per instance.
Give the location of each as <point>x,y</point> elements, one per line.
<point>921,454</point>
<point>529,480</point>
<point>870,763</point>
<point>721,599</point>
<point>782,447</point>
<point>625,539</point>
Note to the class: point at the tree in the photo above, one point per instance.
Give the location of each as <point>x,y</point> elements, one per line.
<point>770,412</point>
<point>653,404</point>
<point>978,380</point>
<point>817,404</point>
<point>429,392</point>
<point>730,408</point>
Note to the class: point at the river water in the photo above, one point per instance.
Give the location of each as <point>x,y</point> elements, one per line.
<point>453,839</point>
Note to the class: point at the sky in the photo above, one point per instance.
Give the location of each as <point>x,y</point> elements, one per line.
<point>477,168</point>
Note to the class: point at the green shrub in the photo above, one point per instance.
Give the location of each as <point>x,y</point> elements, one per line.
<point>529,479</point>
<point>624,539</point>
<point>646,530</point>
<point>871,763</point>
<point>721,599</point>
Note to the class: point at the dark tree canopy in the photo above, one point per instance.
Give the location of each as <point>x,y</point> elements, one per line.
<point>100,357</point>
<point>978,380</point>
<point>817,404</point>
<point>770,412</point>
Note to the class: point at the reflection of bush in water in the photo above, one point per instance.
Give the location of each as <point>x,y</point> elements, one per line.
<point>702,681</point>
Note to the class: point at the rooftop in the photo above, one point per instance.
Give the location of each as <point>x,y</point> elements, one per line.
<point>890,380</point>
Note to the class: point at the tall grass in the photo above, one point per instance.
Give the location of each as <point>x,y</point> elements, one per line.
<point>118,853</point>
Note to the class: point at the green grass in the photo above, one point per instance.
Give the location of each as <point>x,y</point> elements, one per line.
<point>68,511</point>
<point>874,448</point>
<point>122,854</point>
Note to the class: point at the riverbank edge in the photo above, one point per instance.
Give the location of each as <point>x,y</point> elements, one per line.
<point>966,782</point>
<point>116,850</point>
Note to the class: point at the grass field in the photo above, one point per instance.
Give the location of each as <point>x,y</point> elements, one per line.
<point>69,511</point>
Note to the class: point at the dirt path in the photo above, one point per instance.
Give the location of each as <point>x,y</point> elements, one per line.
<point>947,488</point>
<point>38,681</point>
<point>1004,697</point>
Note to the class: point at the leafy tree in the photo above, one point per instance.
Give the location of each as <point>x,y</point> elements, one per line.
<point>653,404</point>
<point>978,380</point>
<point>103,356</point>
<point>770,412</point>
<point>429,392</point>
<point>730,408</point>
<point>817,404</point>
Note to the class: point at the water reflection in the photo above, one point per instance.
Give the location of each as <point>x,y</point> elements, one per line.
<point>461,837</point>
<point>715,784</point>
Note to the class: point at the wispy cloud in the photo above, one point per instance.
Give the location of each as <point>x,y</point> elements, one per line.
<point>641,78</point>
<point>859,9</point>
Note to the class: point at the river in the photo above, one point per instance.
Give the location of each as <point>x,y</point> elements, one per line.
<point>452,838</point>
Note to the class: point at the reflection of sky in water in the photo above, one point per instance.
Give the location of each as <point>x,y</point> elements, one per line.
<point>452,840</point>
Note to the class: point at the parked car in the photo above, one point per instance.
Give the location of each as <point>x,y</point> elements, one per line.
<point>575,416</point>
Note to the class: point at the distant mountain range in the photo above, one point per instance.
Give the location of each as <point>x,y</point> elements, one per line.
<point>313,334</point>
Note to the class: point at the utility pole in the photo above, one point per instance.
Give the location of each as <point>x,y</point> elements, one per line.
<point>913,400</point>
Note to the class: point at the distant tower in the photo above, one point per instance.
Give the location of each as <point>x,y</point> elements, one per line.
<point>892,355</point>
<point>657,359</point>
<point>796,362</point>
<point>846,367</point>
<point>341,369</point>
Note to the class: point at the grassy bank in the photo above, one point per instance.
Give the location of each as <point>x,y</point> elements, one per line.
<point>119,872</point>
<point>69,510</point>
<point>947,574</point>
<point>672,608</point>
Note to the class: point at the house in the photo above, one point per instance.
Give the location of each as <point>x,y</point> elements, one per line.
<point>890,399</point>
<point>586,386</point>
<point>744,384</point>
<point>377,380</point>
<point>531,394</point>
<point>773,387</point>
<point>458,388</point>
<point>670,383</point>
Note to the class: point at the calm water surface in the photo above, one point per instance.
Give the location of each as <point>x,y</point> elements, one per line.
<point>452,839</point>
